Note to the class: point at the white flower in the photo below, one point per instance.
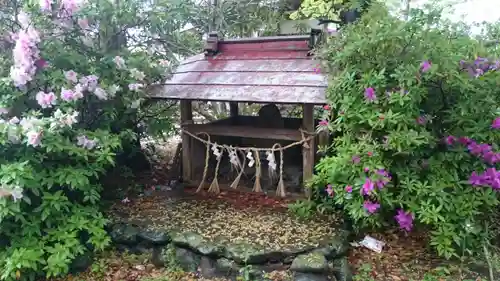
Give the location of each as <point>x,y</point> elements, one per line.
<point>113,89</point>
<point>14,120</point>
<point>135,104</point>
<point>136,74</point>
<point>135,86</point>
<point>100,93</point>
<point>17,193</point>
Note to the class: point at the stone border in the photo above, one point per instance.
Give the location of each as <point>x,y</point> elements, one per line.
<point>194,253</point>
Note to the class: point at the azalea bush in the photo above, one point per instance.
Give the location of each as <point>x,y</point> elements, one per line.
<point>414,110</point>
<point>66,108</point>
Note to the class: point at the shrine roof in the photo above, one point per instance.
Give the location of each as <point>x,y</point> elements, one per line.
<point>261,70</point>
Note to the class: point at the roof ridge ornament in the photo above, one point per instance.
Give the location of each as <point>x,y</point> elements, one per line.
<point>212,44</point>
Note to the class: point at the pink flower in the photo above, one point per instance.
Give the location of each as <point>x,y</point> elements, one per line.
<point>371,207</point>
<point>323,123</point>
<point>496,123</point>
<point>71,76</point>
<point>370,94</point>
<point>356,159</point>
<point>46,100</point>
<point>34,138</point>
<point>425,66</point>
<point>68,95</point>
<point>366,169</point>
<point>326,107</point>
<point>69,7</point>
<point>348,189</point>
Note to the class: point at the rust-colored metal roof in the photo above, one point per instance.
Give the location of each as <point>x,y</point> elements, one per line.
<point>266,69</point>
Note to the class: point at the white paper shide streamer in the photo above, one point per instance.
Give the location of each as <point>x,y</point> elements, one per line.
<point>251,161</point>
<point>216,151</point>
<point>270,158</point>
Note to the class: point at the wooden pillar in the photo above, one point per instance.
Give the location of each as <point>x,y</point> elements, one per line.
<point>186,118</point>
<point>233,109</point>
<point>308,153</point>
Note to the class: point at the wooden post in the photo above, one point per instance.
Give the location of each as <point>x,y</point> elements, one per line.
<point>308,153</point>
<point>234,112</point>
<point>233,109</point>
<point>186,118</point>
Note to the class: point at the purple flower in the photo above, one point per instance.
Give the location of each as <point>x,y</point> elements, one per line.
<point>474,148</point>
<point>478,72</point>
<point>495,66</point>
<point>421,120</point>
<point>371,207</point>
<point>356,159</point>
<point>496,123</point>
<point>425,66</point>
<point>380,183</point>
<point>491,177</point>
<point>475,179</point>
<point>464,140</point>
<point>405,219</point>
<point>491,157</point>
<point>368,186</point>
<point>370,94</point>
<point>348,189</point>
<point>329,190</point>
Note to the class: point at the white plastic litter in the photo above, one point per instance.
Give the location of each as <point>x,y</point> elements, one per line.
<point>372,244</point>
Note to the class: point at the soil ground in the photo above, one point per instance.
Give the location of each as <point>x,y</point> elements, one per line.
<point>229,216</point>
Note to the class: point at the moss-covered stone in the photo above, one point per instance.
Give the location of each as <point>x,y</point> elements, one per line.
<point>245,253</point>
<point>342,270</point>
<point>313,262</point>
<point>197,243</point>
<point>155,237</point>
<point>338,246</point>
<point>124,234</point>
<point>187,260</point>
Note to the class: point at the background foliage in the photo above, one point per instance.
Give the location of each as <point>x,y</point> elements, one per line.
<point>399,90</point>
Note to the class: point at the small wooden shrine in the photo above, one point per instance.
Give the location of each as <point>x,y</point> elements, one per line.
<point>266,70</point>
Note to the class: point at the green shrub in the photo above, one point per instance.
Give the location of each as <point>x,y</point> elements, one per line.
<point>415,117</point>
<point>66,109</point>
